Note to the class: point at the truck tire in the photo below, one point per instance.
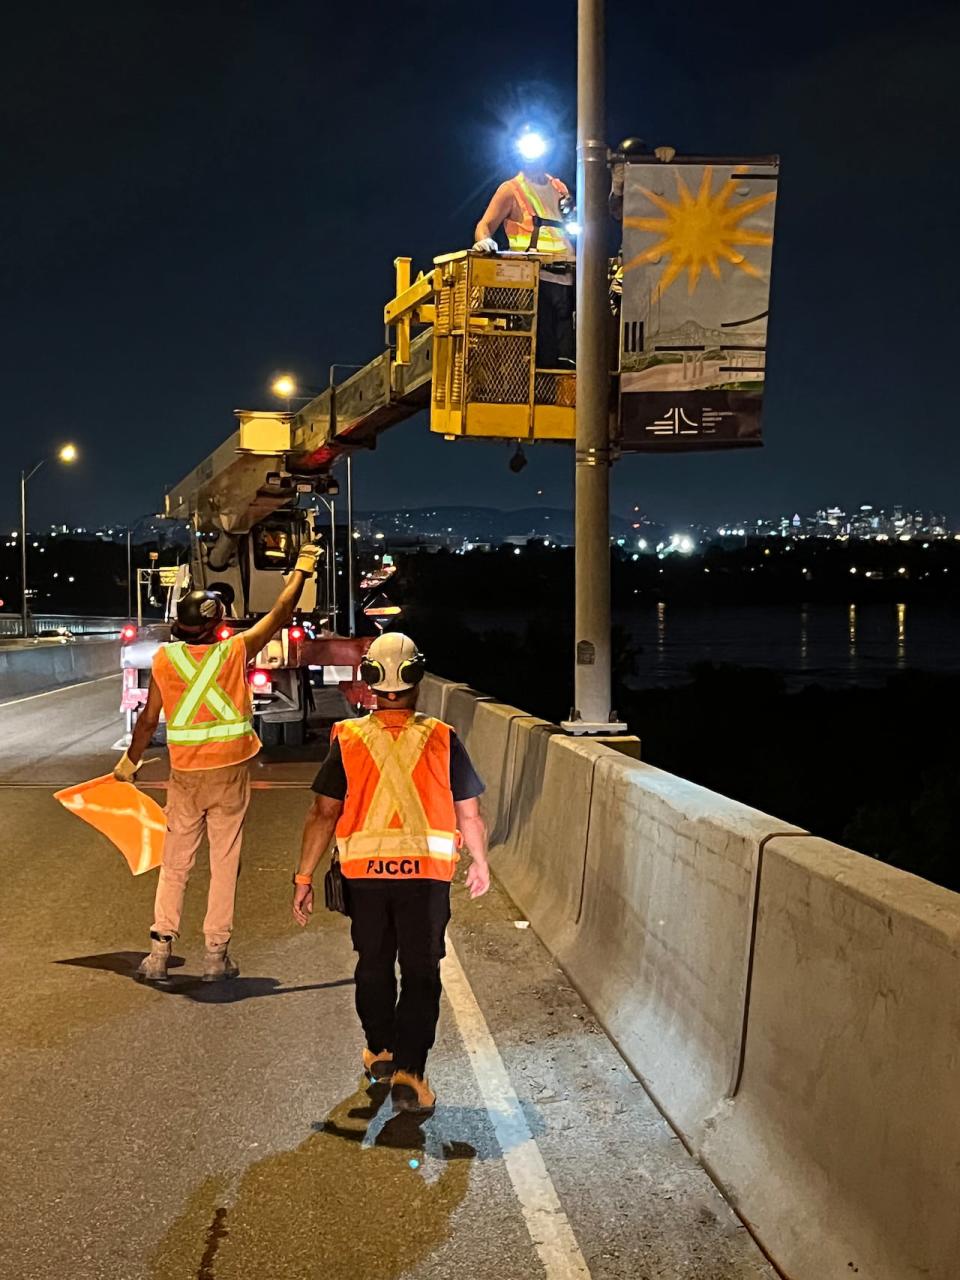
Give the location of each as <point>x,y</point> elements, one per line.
<point>270,733</point>
<point>294,733</point>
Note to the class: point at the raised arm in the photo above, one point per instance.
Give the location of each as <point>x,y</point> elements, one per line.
<point>257,636</point>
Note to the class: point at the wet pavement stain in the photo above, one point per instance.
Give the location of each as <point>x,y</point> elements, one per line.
<point>216,1232</point>
<point>339,1205</point>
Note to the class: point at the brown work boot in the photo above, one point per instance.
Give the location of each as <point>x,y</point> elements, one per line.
<point>153,967</point>
<point>411,1093</point>
<point>378,1066</point>
<point>217,964</point>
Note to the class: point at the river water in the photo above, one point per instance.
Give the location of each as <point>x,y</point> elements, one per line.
<point>807,643</point>
<point>828,644</point>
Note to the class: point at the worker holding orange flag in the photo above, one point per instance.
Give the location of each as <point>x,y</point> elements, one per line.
<point>199,681</point>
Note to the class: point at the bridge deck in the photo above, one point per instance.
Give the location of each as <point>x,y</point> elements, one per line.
<point>214,1133</point>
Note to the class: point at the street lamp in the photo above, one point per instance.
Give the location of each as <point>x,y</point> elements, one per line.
<point>284,386</point>
<point>66,453</point>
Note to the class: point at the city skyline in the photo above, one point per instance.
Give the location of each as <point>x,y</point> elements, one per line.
<point>859,521</point>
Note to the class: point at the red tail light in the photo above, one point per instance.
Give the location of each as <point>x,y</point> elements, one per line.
<point>128,633</point>
<point>259,679</point>
<point>224,633</point>
<point>296,633</point>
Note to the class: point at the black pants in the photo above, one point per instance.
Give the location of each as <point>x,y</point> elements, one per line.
<point>555,340</point>
<point>390,921</point>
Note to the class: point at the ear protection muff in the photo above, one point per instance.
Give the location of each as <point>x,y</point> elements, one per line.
<point>410,671</point>
<point>413,670</point>
<point>371,672</point>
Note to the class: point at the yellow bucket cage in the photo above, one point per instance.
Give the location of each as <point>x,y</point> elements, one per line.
<point>483,308</point>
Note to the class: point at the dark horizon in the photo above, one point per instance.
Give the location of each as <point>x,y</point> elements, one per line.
<point>199,197</point>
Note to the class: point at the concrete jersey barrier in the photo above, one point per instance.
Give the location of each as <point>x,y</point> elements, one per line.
<point>662,949</point>
<point>36,670</point>
<point>790,1004</point>
<point>842,1146</point>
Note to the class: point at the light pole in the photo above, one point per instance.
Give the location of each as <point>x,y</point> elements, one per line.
<point>592,683</point>
<point>351,618</point>
<point>66,453</point>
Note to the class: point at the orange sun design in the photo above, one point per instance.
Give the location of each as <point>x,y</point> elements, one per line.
<point>698,231</point>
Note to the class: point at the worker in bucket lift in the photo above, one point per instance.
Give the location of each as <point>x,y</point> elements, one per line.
<point>399,793</point>
<point>535,194</point>
<point>199,681</point>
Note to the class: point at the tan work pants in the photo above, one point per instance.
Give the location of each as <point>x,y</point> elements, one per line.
<point>215,800</point>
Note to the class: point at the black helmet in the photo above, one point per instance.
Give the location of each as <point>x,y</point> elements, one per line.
<point>198,612</point>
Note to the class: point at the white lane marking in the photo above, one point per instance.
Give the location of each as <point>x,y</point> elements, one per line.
<point>546,1221</point>
<point>64,688</point>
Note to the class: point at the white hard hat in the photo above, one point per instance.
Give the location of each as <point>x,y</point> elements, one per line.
<point>392,664</point>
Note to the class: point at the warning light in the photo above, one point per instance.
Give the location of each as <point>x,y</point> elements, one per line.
<point>296,633</point>
<point>224,633</point>
<point>259,679</point>
<point>128,633</point>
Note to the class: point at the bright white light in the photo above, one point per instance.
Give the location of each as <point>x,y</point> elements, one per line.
<point>642,544</point>
<point>531,145</point>
<point>573,228</point>
<point>516,551</point>
<point>686,545</point>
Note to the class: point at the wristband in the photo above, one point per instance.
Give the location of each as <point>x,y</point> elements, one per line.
<point>299,878</point>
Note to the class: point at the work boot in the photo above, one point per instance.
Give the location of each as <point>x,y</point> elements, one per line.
<point>217,964</point>
<point>411,1093</point>
<point>378,1066</point>
<point>153,967</point>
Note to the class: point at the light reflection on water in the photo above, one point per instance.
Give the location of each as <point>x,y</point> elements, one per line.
<point>829,644</point>
<point>812,643</point>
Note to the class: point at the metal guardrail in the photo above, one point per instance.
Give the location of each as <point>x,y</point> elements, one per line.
<point>45,624</point>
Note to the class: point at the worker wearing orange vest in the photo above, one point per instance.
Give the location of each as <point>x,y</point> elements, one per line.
<point>199,681</point>
<point>399,793</point>
<point>535,194</point>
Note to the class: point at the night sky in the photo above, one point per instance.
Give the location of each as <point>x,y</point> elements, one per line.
<point>197,195</point>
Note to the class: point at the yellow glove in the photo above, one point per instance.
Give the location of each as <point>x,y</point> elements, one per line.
<point>307,559</point>
<point>125,770</point>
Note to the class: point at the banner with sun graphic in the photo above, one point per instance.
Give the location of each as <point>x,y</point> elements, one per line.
<point>697,245</point>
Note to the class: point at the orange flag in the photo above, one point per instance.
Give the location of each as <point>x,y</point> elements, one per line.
<point>135,823</point>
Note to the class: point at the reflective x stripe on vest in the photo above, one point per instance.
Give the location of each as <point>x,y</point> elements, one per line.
<point>550,239</point>
<point>396,824</point>
<point>200,679</point>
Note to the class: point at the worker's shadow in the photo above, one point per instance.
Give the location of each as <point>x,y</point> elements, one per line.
<point>231,991</point>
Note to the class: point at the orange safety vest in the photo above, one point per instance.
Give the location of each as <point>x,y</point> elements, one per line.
<point>398,820</point>
<point>207,703</point>
<point>550,239</point>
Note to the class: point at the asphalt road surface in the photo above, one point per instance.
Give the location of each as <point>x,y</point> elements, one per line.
<point>224,1132</point>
